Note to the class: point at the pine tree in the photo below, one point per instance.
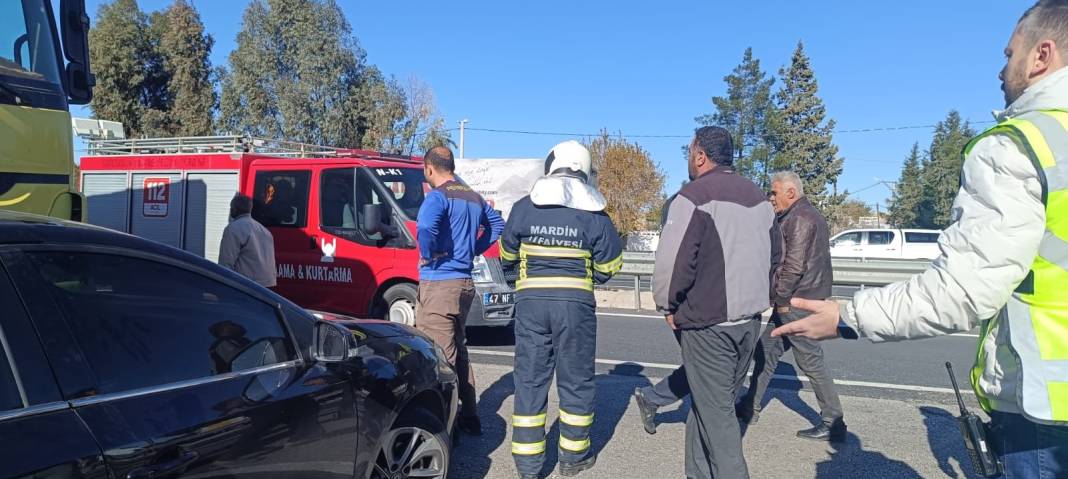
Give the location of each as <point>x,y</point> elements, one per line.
<point>942,172</point>
<point>905,205</point>
<point>124,62</point>
<point>802,134</point>
<point>184,48</point>
<point>745,112</point>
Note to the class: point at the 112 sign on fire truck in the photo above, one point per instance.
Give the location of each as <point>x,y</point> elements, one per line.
<point>157,191</point>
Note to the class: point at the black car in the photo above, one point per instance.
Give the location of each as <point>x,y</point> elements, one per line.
<point>124,358</point>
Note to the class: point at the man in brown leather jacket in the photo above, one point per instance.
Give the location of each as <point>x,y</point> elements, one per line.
<point>805,272</point>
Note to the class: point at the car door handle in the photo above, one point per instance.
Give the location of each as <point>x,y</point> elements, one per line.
<point>165,467</point>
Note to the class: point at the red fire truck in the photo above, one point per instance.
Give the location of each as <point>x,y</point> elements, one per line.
<point>343,220</point>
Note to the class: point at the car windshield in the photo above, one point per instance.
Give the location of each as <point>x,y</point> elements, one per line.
<point>408,186</point>
<point>28,61</point>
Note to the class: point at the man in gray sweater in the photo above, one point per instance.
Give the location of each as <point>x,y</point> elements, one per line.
<point>247,247</point>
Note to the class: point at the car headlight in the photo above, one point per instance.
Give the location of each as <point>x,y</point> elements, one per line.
<point>480,272</point>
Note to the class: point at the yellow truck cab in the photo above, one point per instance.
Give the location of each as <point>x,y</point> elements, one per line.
<point>38,82</point>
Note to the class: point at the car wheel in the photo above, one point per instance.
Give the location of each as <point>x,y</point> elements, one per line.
<point>400,302</point>
<point>416,446</point>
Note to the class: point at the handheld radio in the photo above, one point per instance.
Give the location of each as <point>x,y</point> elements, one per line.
<point>984,460</point>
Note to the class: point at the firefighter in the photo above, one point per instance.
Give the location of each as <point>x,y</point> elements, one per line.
<point>562,243</point>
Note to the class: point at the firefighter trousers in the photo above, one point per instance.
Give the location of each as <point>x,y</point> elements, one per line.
<point>553,336</point>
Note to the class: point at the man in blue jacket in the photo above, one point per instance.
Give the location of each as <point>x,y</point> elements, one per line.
<point>455,224</point>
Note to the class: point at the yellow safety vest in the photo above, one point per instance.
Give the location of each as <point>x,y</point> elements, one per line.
<point>1036,315</point>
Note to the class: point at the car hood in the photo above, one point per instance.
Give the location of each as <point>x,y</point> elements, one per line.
<point>371,327</point>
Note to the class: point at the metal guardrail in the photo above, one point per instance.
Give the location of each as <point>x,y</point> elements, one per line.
<point>865,272</point>
<point>639,263</point>
<point>860,272</point>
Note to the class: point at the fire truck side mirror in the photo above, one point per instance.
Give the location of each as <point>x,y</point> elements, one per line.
<point>372,223</point>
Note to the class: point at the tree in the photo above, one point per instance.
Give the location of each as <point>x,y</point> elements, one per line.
<point>383,105</point>
<point>184,48</point>
<point>126,65</point>
<point>630,180</point>
<point>429,128</point>
<point>153,73</point>
<point>745,112</point>
<point>802,134</point>
<point>298,73</point>
<point>908,195</point>
<point>847,214</point>
<point>294,74</point>
<point>941,174</point>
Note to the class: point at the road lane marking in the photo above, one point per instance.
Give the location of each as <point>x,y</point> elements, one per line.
<point>839,382</point>
<point>647,316</point>
<point>631,315</point>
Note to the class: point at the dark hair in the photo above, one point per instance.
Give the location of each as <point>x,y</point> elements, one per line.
<point>440,158</point>
<point>1047,19</point>
<point>716,143</point>
<point>241,204</point>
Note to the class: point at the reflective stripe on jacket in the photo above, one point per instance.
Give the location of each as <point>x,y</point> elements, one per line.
<point>560,252</point>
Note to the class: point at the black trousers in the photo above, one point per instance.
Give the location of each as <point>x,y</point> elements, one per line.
<point>671,389</point>
<point>716,360</point>
<point>809,357</point>
<point>561,337</point>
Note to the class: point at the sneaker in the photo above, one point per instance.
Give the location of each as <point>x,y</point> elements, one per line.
<point>470,424</point>
<point>833,432</point>
<point>646,410</point>
<point>569,469</point>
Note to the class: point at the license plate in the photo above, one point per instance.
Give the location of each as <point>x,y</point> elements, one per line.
<point>491,299</point>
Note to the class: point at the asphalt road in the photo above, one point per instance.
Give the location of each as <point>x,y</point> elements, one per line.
<point>638,343</point>
<point>626,282</point>
<point>896,399</point>
<point>887,439</point>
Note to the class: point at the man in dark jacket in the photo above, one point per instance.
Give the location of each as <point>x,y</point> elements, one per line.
<point>805,272</point>
<point>711,282</point>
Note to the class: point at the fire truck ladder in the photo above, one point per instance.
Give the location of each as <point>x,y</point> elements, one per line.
<point>213,144</point>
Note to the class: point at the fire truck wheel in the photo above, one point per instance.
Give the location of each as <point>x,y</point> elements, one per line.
<point>400,300</point>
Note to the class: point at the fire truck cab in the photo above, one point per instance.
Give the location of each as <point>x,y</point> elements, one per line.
<point>343,220</point>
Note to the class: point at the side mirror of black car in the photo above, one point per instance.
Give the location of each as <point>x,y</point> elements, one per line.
<point>331,342</point>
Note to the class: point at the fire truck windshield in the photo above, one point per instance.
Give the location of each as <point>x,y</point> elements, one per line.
<point>408,186</point>
<point>30,72</point>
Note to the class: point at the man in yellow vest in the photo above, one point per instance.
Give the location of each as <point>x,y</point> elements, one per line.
<point>1004,262</point>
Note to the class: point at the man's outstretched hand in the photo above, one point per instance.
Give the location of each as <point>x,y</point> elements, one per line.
<point>821,324</point>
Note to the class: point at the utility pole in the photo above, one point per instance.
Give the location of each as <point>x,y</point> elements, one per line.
<point>462,124</point>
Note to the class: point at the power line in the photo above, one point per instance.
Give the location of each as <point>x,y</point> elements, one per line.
<point>557,133</point>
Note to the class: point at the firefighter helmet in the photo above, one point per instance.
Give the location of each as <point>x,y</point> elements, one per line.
<point>569,158</point>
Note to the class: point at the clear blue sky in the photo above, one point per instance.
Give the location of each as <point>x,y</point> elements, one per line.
<point>648,68</point>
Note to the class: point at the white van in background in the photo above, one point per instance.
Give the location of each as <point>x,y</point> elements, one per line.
<point>886,243</point>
